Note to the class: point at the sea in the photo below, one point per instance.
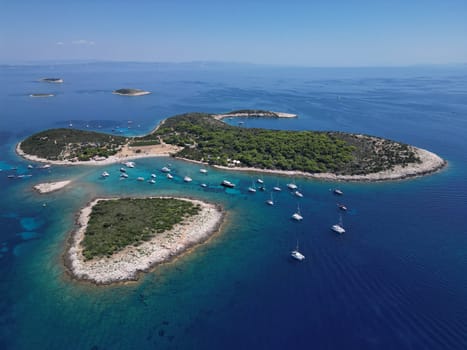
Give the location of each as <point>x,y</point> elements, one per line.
<point>397,279</point>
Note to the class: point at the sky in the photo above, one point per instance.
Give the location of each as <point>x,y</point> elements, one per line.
<point>321,33</point>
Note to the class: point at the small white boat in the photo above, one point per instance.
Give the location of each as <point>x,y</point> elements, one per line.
<point>277,188</point>
<point>339,228</point>
<point>45,166</point>
<point>124,175</point>
<point>228,184</point>
<point>203,171</point>
<point>30,166</point>
<point>270,201</point>
<point>204,185</point>
<point>260,181</point>
<point>297,216</point>
<point>165,170</point>
<point>123,170</point>
<point>252,188</point>
<point>338,192</point>
<point>187,179</point>
<point>153,176</point>
<point>152,181</point>
<point>170,176</point>
<point>292,186</point>
<point>296,254</point>
<point>140,178</point>
<point>298,194</point>
<point>342,207</point>
<point>105,174</point>
<point>129,164</point>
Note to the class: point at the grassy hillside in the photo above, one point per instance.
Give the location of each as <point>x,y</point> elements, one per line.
<point>215,142</point>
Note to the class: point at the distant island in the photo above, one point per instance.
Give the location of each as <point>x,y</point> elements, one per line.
<point>253,113</point>
<point>118,238</point>
<point>52,80</point>
<point>131,92</point>
<point>41,95</point>
<point>204,138</point>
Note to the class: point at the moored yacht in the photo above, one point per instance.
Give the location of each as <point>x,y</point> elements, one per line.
<point>203,171</point>
<point>296,254</point>
<point>170,176</point>
<point>187,179</point>
<point>270,201</point>
<point>339,228</point>
<point>105,174</point>
<point>338,192</point>
<point>165,170</point>
<point>292,186</point>
<point>297,216</point>
<point>228,184</point>
<point>298,194</point>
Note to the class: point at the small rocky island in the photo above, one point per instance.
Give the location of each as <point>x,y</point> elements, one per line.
<point>41,95</point>
<point>130,92</point>
<point>118,238</point>
<point>205,138</point>
<point>52,80</point>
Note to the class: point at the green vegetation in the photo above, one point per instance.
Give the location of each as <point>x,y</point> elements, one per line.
<point>71,144</point>
<point>116,224</point>
<point>148,140</point>
<point>254,112</point>
<point>215,142</point>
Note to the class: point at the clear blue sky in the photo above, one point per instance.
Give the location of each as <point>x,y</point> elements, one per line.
<point>290,32</point>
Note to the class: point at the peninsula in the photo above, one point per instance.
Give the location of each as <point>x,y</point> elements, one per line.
<point>117,239</point>
<point>130,92</point>
<point>52,80</point>
<point>204,138</point>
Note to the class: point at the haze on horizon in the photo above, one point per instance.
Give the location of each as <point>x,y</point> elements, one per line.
<point>297,32</point>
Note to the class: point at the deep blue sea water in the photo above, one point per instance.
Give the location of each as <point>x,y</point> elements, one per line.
<point>397,279</point>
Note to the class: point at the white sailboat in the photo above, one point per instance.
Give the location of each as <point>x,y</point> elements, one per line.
<point>170,176</point>
<point>252,188</point>
<point>296,254</point>
<point>298,194</point>
<point>292,186</point>
<point>270,201</point>
<point>187,179</point>
<point>297,216</point>
<point>338,228</point>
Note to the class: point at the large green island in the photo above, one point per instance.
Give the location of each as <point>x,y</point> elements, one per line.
<point>118,238</point>
<point>206,138</point>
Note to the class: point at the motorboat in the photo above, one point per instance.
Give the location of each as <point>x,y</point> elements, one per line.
<point>187,179</point>
<point>228,184</point>
<point>105,174</point>
<point>292,186</point>
<point>165,170</point>
<point>203,171</point>
<point>338,192</point>
<point>170,176</point>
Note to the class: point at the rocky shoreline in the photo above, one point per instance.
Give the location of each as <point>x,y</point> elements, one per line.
<point>128,264</point>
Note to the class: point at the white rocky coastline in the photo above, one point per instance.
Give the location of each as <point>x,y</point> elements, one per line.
<point>48,187</point>
<point>127,264</point>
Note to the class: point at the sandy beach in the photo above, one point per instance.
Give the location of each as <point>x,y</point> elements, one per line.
<point>127,264</point>
<point>51,186</point>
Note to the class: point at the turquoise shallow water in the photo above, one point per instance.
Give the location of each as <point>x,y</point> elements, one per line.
<point>396,279</point>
